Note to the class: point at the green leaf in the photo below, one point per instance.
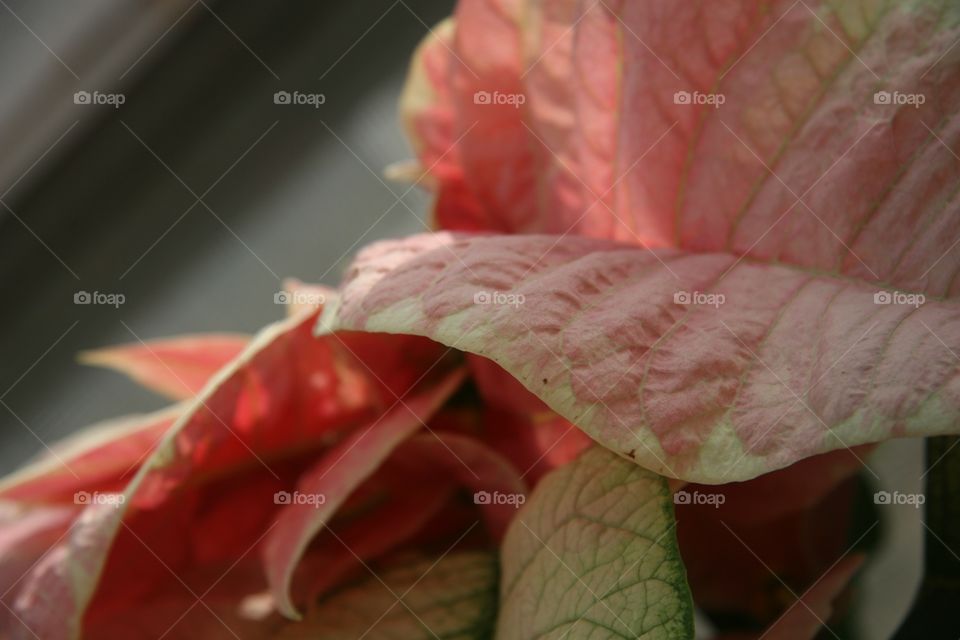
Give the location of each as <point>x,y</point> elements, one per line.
<point>450,599</point>
<point>594,554</point>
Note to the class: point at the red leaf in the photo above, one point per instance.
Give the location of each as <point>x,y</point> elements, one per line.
<point>175,367</point>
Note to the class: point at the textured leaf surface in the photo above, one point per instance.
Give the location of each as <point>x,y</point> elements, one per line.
<point>799,163</point>
<point>452,598</point>
<point>594,554</point>
<point>790,364</point>
<point>750,136</point>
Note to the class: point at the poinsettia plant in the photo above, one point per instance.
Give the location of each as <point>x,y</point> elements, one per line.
<point>692,260</point>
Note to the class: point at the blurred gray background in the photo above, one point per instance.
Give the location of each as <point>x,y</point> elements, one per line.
<point>95,197</point>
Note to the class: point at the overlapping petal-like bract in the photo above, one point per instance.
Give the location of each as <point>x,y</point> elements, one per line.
<point>790,164</point>
<point>783,131</point>
<point>790,365</point>
<point>746,217</point>
<point>336,476</point>
<point>168,523</point>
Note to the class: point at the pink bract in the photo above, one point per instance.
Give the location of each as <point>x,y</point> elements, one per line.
<point>184,501</point>
<point>767,272</point>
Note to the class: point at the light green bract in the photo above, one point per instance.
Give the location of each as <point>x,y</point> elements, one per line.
<point>594,555</point>
<point>450,599</point>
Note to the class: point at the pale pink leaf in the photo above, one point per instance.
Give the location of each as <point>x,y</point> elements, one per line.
<point>819,134</point>
<point>698,366</point>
